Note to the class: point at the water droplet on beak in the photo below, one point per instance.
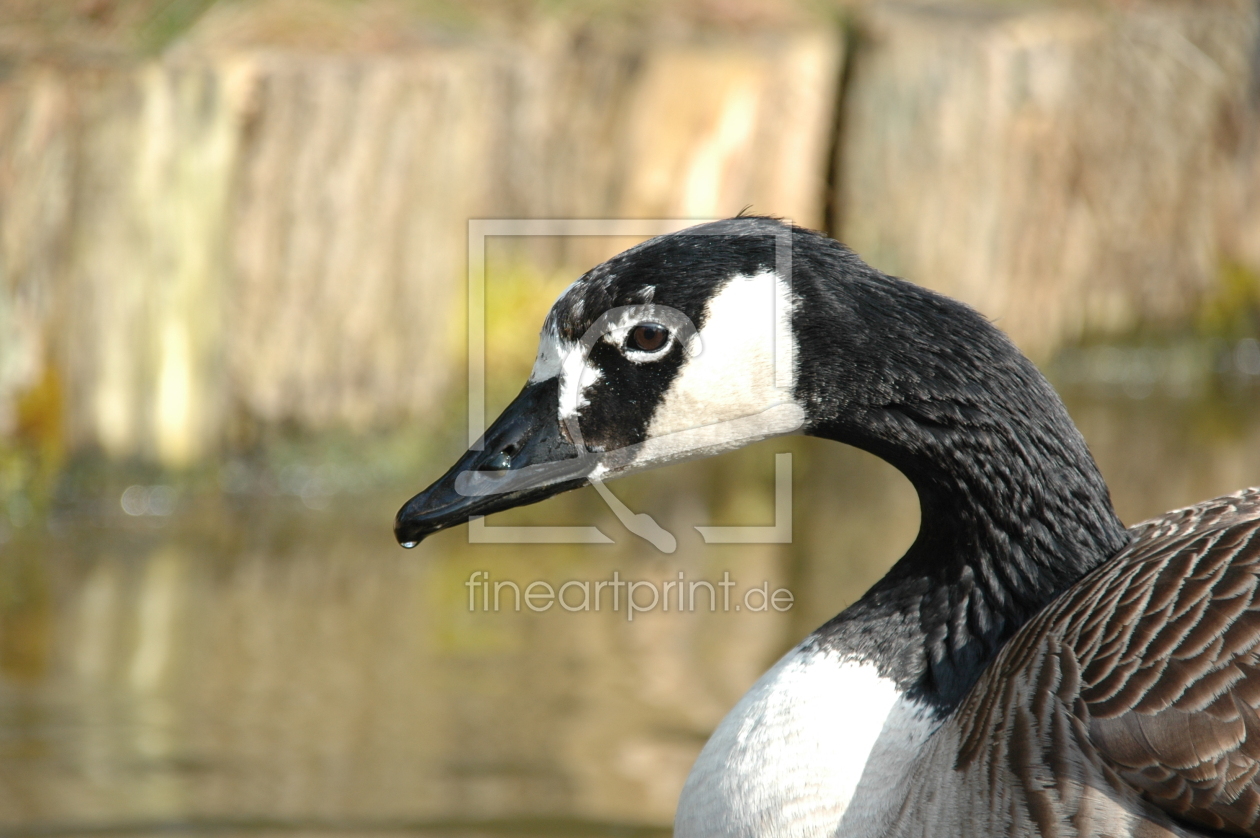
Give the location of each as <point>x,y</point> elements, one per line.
<point>407,545</point>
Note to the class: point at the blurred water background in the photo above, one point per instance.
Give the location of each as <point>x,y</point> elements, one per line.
<point>233,254</point>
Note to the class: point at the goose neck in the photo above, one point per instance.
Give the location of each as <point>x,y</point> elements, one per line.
<point>1012,511</point>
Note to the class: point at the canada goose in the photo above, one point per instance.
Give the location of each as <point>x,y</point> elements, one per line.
<point>1029,667</point>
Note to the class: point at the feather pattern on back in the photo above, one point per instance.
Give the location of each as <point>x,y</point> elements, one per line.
<point>1130,706</point>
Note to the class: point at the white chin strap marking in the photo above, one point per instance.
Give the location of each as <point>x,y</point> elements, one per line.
<point>745,369</point>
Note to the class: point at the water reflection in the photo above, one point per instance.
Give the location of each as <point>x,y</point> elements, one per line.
<point>263,657</point>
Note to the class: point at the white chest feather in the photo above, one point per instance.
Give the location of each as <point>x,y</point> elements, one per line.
<point>817,747</point>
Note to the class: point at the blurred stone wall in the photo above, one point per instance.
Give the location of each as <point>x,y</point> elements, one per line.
<point>1068,171</point>
<point>226,238</point>
<point>266,237</point>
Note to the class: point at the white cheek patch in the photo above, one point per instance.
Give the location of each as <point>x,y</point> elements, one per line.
<point>743,371</point>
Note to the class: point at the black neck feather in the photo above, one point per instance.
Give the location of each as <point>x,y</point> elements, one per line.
<point>1013,506</point>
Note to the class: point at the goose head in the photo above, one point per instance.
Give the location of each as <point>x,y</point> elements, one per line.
<point>679,348</point>
<point>726,333</point>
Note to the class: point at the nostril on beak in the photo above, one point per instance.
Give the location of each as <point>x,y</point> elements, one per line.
<point>499,462</point>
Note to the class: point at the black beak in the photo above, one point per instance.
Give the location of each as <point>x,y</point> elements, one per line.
<point>525,458</point>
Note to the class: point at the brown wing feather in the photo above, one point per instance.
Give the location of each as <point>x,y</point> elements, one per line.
<point>1136,693</point>
<point>1175,710</point>
<point>1126,708</point>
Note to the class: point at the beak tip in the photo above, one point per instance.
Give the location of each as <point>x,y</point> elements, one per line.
<point>408,538</point>
<point>408,531</point>
<point>479,483</point>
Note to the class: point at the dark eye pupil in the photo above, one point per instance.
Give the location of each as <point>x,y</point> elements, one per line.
<point>648,337</point>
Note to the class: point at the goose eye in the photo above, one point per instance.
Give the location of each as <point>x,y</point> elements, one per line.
<point>648,337</point>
